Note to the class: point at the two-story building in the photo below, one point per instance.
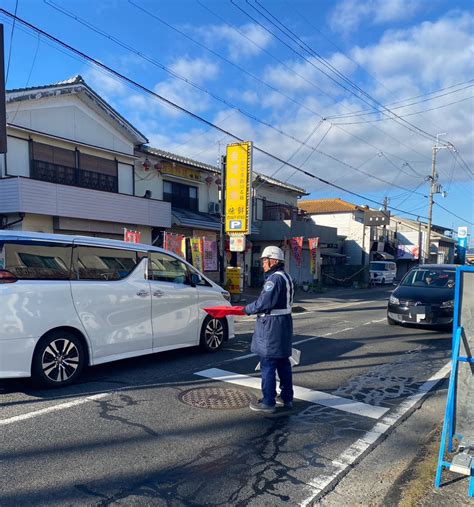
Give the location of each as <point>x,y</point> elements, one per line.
<point>363,242</point>
<point>411,241</point>
<point>277,219</point>
<point>69,167</point>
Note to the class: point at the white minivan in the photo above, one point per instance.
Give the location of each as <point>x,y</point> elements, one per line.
<point>71,301</point>
<point>382,272</point>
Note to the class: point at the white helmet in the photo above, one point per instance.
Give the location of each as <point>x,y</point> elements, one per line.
<point>273,252</point>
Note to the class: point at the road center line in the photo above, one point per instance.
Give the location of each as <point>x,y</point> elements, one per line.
<point>343,463</point>
<point>300,393</point>
<point>332,333</point>
<point>55,408</point>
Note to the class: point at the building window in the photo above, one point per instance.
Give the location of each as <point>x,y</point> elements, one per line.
<point>57,165</point>
<point>180,195</point>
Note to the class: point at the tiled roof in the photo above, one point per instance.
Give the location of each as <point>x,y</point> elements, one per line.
<point>328,206</point>
<point>179,158</point>
<point>201,165</point>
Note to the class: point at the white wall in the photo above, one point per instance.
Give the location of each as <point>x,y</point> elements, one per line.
<point>68,117</point>
<point>276,194</point>
<point>347,224</point>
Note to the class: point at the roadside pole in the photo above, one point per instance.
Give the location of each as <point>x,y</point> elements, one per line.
<point>222,238</point>
<point>3,114</point>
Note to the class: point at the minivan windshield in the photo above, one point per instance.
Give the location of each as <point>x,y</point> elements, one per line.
<point>432,278</point>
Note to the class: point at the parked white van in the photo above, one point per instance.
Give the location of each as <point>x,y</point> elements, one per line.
<point>71,301</point>
<point>382,272</point>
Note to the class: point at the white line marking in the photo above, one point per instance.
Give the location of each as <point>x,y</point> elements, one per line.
<point>322,308</point>
<point>300,393</point>
<point>341,465</point>
<point>55,408</point>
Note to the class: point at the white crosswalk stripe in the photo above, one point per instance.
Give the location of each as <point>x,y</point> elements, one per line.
<point>300,393</point>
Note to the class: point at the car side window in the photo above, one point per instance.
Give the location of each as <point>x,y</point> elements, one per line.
<point>31,260</point>
<point>166,268</point>
<point>104,264</point>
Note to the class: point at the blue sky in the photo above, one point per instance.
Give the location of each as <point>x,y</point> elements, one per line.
<point>352,91</point>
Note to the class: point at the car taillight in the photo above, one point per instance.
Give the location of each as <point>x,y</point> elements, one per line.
<point>7,277</point>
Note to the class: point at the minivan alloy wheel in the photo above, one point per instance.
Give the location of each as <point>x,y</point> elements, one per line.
<point>60,360</point>
<point>213,334</point>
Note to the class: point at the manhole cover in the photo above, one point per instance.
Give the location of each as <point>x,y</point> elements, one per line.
<point>216,398</point>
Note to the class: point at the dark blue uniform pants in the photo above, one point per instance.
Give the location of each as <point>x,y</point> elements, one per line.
<point>268,366</point>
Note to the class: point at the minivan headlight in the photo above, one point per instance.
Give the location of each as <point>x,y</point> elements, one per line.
<point>394,300</point>
<point>226,295</point>
<point>447,304</point>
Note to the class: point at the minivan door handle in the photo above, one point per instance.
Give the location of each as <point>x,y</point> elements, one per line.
<point>158,293</point>
<point>143,293</point>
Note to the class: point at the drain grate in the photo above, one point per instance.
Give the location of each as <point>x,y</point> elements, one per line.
<point>216,398</point>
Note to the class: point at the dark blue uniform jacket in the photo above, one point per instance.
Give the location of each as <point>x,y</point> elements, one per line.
<point>274,327</point>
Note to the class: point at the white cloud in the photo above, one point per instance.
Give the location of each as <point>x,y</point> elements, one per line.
<point>197,69</point>
<point>251,40</point>
<point>431,53</point>
<point>349,14</point>
<point>106,85</point>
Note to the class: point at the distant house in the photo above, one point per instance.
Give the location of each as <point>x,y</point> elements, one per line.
<point>69,167</point>
<point>411,240</point>
<point>362,242</point>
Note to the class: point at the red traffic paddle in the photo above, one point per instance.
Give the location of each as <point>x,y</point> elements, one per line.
<point>218,312</point>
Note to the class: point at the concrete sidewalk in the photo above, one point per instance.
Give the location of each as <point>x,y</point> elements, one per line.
<point>401,470</point>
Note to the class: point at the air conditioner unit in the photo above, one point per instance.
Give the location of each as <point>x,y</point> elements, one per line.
<point>214,208</point>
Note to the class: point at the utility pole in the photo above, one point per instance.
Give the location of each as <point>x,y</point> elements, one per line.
<point>222,238</point>
<point>435,188</point>
<point>3,115</point>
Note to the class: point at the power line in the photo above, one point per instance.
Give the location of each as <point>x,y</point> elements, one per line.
<point>172,104</point>
<point>332,69</point>
<point>454,215</point>
<point>406,115</point>
<point>11,45</point>
<point>367,112</point>
<point>295,73</point>
<point>204,90</point>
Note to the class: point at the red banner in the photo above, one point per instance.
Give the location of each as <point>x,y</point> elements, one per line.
<point>173,243</point>
<point>296,245</point>
<point>131,236</point>
<point>313,248</point>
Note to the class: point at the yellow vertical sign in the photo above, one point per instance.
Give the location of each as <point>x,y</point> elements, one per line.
<point>237,188</point>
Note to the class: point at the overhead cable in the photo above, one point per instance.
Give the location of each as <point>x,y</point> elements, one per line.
<point>182,109</point>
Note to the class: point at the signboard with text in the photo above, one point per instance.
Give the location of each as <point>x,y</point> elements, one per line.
<point>238,176</point>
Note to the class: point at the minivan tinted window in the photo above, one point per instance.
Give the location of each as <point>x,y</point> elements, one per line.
<point>104,264</point>
<point>31,260</point>
<point>165,268</point>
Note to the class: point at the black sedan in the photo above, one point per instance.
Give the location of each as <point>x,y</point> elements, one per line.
<point>425,296</point>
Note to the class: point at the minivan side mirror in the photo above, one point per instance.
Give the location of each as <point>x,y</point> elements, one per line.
<point>196,279</point>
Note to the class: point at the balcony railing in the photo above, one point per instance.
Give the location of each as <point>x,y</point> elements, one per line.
<point>272,212</point>
<point>64,175</point>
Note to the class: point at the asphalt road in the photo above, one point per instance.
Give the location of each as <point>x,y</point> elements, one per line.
<point>136,433</point>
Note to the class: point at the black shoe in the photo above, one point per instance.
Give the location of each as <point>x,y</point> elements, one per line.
<point>259,406</point>
<point>280,403</point>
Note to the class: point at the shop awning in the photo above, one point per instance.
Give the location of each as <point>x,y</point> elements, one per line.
<point>195,219</point>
